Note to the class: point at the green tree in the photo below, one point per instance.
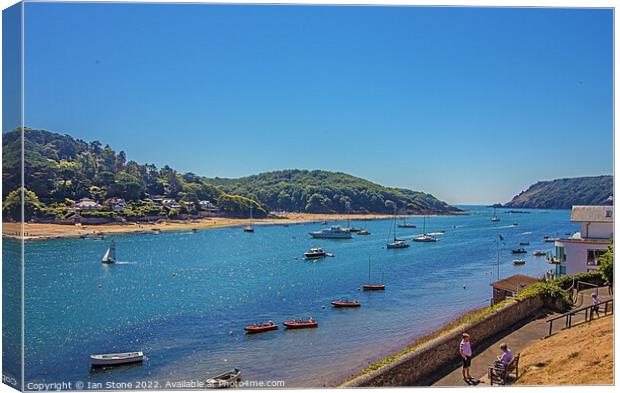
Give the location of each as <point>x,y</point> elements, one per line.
<point>13,204</point>
<point>607,265</point>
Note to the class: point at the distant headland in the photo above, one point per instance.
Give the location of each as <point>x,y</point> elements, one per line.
<point>565,193</point>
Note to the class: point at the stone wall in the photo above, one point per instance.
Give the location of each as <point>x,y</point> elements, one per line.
<point>415,368</point>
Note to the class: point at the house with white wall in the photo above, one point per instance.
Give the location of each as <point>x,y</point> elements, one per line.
<point>581,252</point>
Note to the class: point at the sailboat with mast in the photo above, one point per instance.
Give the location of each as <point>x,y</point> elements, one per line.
<point>373,287</point>
<point>424,237</point>
<point>249,227</point>
<point>406,224</point>
<point>494,218</point>
<point>110,254</point>
<point>397,243</point>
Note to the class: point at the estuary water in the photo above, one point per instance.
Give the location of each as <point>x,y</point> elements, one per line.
<point>183,298</point>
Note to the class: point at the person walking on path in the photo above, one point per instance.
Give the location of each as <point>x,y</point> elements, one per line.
<point>466,353</point>
<point>596,300</point>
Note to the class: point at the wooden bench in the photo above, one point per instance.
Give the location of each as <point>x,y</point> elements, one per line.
<point>500,375</point>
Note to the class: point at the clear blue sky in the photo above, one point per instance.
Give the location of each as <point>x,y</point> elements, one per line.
<point>470,104</point>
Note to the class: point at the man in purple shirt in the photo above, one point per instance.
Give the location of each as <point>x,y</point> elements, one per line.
<point>506,357</point>
<point>465,352</point>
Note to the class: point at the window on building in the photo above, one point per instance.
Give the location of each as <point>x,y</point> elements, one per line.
<point>593,257</point>
<point>608,213</point>
<point>560,254</point>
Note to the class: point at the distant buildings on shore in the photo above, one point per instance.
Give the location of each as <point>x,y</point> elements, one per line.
<point>581,252</point>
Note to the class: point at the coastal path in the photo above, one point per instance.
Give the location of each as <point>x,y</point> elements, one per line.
<point>518,338</point>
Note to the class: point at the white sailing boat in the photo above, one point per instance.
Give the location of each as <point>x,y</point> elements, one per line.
<point>397,243</point>
<point>494,218</point>
<point>110,254</point>
<point>424,237</point>
<point>249,228</point>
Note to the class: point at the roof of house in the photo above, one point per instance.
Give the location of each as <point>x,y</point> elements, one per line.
<point>592,214</point>
<point>515,283</point>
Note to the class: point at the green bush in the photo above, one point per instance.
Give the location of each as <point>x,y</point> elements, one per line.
<point>550,292</point>
<point>97,214</point>
<point>607,266</point>
<point>594,277</point>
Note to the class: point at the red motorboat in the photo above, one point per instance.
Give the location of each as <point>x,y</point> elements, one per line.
<point>301,324</point>
<point>346,303</point>
<point>261,327</point>
<point>373,287</point>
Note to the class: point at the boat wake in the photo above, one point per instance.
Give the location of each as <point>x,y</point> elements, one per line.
<point>125,263</point>
<point>525,233</point>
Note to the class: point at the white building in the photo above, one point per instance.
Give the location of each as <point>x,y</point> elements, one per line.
<point>86,204</point>
<point>581,252</point>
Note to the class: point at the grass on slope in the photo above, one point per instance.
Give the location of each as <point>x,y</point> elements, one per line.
<point>579,356</point>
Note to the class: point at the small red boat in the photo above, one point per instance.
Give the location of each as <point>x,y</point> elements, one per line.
<point>346,303</point>
<point>373,287</point>
<point>261,327</point>
<point>301,324</point>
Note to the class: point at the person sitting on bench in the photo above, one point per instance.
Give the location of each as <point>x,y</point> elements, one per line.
<point>505,358</point>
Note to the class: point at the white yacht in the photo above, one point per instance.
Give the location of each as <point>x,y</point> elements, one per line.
<point>425,237</point>
<point>335,232</point>
<point>397,244</point>
<point>494,218</point>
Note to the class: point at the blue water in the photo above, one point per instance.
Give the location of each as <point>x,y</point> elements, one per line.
<point>184,298</point>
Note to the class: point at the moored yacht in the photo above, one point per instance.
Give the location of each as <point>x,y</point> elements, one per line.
<point>425,237</point>
<point>397,244</point>
<point>334,232</point>
<point>494,218</point>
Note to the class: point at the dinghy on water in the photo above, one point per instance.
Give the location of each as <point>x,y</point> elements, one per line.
<point>225,380</point>
<point>110,254</point>
<point>115,359</point>
<point>346,303</point>
<point>301,324</point>
<point>260,327</point>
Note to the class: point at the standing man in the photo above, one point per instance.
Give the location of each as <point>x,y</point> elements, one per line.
<point>465,352</point>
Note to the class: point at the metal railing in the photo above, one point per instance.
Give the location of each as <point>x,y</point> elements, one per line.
<point>606,307</point>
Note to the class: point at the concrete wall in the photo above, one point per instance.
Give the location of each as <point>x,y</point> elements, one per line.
<point>597,230</point>
<point>417,367</point>
<point>577,256</point>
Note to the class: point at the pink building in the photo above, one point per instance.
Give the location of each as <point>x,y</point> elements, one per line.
<point>581,252</point>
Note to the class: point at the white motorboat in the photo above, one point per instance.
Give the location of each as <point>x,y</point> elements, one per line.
<point>114,359</point>
<point>518,262</point>
<point>334,232</point>
<point>315,253</point>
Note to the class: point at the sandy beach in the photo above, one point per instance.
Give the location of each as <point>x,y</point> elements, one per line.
<point>51,231</point>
